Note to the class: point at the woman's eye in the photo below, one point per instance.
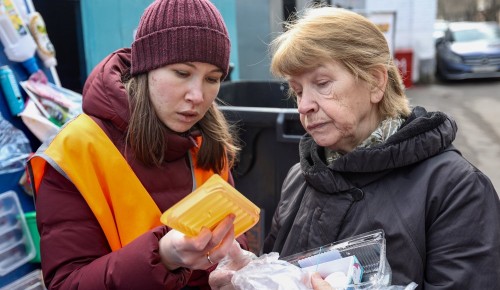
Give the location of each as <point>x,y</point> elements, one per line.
<point>324,87</point>
<point>182,74</point>
<point>213,80</point>
<point>294,92</point>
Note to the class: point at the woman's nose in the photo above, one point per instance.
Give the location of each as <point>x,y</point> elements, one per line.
<point>195,94</point>
<point>306,103</point>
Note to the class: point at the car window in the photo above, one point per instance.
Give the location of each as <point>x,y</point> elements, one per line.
<point>477,33</point>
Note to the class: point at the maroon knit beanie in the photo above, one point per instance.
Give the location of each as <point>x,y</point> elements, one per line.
<point>176,31</point>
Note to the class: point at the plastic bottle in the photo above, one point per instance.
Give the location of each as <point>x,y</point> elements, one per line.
<point>19,45</point>
<point>10,89</point>
<point>22,9</point>
<point>45,48</point>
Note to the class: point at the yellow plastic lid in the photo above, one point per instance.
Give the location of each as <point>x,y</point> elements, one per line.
<point>208,205</point>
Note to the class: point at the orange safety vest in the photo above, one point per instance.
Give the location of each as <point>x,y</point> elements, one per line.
<point>121,204</point>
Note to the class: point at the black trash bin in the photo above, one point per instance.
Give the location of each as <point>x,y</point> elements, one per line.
<point>269,130</point>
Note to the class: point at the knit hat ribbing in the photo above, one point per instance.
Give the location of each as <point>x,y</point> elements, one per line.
<point>176,31</point>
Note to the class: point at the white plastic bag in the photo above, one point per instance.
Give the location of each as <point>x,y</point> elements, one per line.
<point>268,272</point>
<point>237,258</point>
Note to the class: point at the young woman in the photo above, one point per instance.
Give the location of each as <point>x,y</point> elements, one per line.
<point>149,135</point>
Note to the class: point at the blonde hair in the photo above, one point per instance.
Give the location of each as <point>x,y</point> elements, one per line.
<point>328,33</point>
<point>146,132</point>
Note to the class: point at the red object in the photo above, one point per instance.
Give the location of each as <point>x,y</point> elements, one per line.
<point>404,62</point>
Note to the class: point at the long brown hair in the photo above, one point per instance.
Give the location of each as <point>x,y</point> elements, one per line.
<point>146,132</point>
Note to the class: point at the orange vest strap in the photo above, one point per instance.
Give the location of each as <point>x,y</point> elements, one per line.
<point>101,174</point>
<point>203,175</point>
<point>117,198</point>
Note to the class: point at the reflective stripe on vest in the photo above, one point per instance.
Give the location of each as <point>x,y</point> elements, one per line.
<point>121,204</point>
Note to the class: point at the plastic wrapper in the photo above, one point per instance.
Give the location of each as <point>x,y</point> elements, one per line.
<point>247,272</point>
<point>269,272</point>
<point>410,286</point>
<point>14,148</point>
<point>237,258</point>
<point>38,124</point>
<point>56,104</point>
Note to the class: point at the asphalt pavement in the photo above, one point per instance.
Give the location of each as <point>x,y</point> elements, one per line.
<point>475,106</point>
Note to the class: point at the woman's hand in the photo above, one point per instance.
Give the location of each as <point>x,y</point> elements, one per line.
<point>237,258</point>
<point>318,283</point>
<point>200,252</point>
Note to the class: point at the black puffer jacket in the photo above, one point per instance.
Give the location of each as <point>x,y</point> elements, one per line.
<point>440,214</point>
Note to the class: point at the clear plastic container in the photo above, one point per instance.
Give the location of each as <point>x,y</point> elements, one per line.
<point>208,205</point>
<point>369,249</point>
<point>30,281</point>
<point>16,244</point>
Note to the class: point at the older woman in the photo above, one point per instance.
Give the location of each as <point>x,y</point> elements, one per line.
<point>369,161</point>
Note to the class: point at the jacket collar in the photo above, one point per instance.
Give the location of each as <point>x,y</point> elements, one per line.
<point>423,135</point>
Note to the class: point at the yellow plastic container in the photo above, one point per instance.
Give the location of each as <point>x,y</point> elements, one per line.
<point>208,205</point>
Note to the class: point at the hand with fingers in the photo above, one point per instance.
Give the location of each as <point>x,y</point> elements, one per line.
<point>199,252</point>
<point>319,284</point>
<point>237,258</point>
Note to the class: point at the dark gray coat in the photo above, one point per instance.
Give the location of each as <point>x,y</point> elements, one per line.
<point>440,214</point>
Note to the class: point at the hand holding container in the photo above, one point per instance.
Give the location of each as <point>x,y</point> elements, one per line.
<point>208,205</point>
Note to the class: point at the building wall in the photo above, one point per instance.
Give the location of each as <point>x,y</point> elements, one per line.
<point>457,10</point>
<point>228,10</point>
<point>413,29</point>
<point>258,21</point>
<point>108,25</point>
<point>469,10</point>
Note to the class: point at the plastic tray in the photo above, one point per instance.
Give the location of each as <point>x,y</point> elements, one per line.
<point>208,205</point>
<point>369,249</point>
<point>16,244</point>
<point>30,281</point>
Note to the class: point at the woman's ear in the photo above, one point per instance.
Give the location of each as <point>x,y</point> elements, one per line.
<point>379,83</point>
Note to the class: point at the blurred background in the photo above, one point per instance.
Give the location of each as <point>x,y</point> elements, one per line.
<point>448,53</point>
<point>84,32</point>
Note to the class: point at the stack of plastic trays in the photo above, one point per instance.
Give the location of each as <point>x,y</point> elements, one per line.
<point>16,244</point>
<point>31,281</point>
<point>369,249</point>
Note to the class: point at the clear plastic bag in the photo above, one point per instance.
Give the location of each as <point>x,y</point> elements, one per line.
<point>410,286</point>
<point>293,272</point>
<point>14,148</point>
<point>268,272</point>
<point>237,258</point>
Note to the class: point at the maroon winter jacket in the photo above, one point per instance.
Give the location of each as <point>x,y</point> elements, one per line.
<point>74,251</point>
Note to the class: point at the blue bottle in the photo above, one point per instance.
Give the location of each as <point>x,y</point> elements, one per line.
<point>10,89</point>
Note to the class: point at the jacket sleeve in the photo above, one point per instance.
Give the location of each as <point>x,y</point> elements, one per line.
<point>463,236</point>
<point>75,253</point>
